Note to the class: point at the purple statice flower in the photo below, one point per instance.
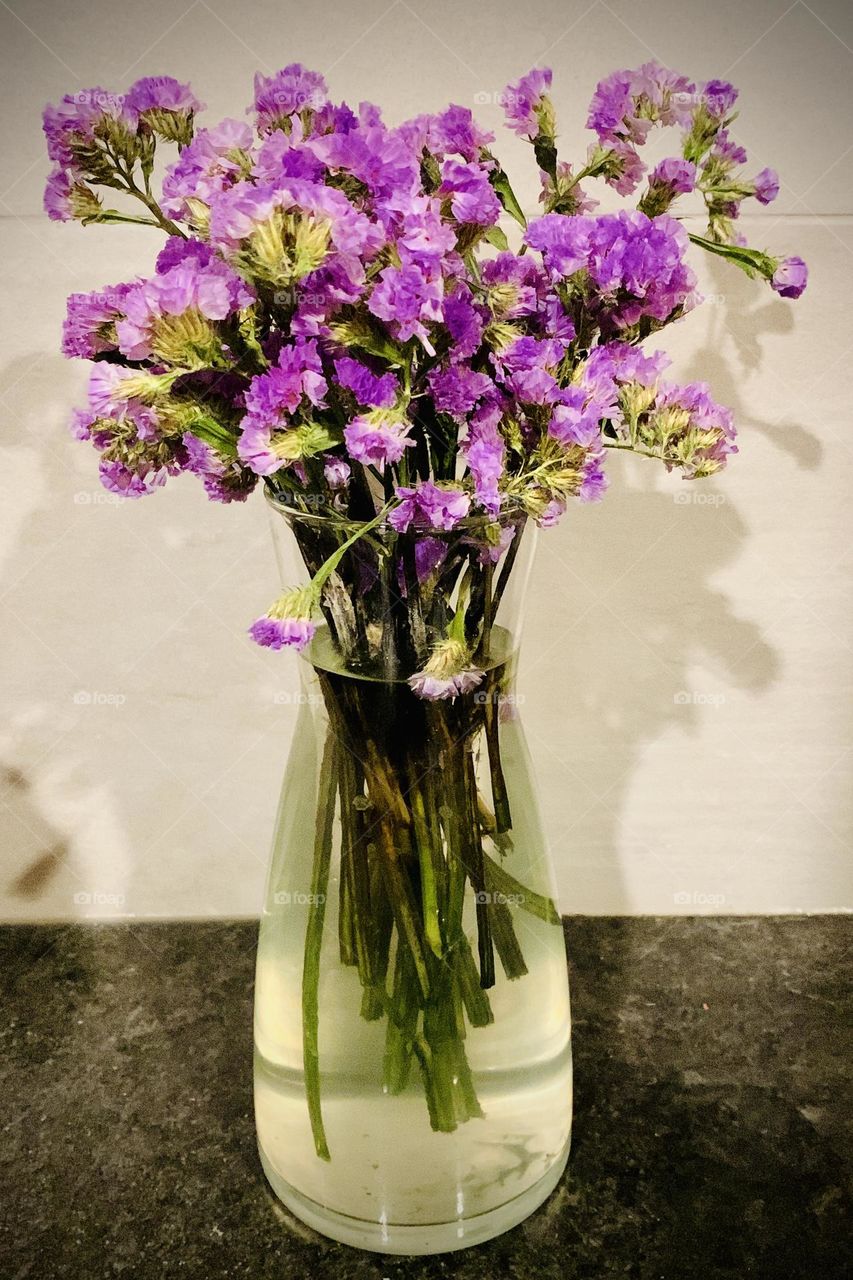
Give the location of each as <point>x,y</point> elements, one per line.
<point>429,555</point>
<point>435,688</point>
<point>485,453</point>
<point>287,155</point>
<point>408,298</point>
<point>287,93</point>
<point>161,93</point>
<point>523,103</point>
<point>472,199</point>
<point>423,238</point>
<point>239,212</point>
<point>213,291</point>
<point>376,156</point>
<point>456,132</point>
<point>337,472</point>
<point>621,363</point>
<point>526,368</point>
<point>718,98</point>
<point>322,293</point>
<point>594,481</point>
<point>790,277</point>
<point>89,327</point>
<point>371,390</point>
<point>518,285</point>
<point>457,389</point>
<point>223,479</point>
<point>207,166</point>
<point>76,122</point>
<point>628,104</point>
<point>377,438</point>
<point>675,174</point>
<point>563,241</point>
<point>611,108</point>
<point>177,250</point>
<point>130,482</point>
<point>575,419</point>
<point>728,151</point>
<point>282,633</point>
<point>704,416</point>
<point>272,397</point>
<point>107,398</point>
<point>66,197</point>
<point>429,506</point>
<point>552,514</point>
<point>465,322</point>
<point>766,186</point>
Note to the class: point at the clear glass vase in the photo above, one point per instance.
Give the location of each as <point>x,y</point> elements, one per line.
<point>412,1031</point>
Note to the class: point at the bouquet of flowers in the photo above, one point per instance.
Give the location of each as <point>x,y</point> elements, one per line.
<point>339,313</point>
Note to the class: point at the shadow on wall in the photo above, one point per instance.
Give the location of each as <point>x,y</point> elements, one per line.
<point>640,572</point>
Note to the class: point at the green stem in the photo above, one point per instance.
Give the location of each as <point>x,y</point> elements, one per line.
<point>313,944</point>
<point>535,904</point>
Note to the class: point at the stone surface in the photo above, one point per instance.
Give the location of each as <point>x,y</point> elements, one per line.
<point>711,1066</point>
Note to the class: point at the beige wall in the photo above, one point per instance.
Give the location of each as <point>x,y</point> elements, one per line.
<point>687,667</point>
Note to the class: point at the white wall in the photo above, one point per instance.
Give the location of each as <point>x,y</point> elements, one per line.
<point>160,801</point>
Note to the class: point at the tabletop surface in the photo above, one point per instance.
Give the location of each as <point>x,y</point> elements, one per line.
<point>711,1134</point>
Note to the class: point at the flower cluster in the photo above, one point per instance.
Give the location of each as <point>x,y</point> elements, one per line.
<point>337,309</point>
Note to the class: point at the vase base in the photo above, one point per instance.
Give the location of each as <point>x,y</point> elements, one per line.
<point>415,1240</point>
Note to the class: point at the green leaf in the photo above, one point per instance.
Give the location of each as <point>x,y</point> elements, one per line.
<point>506,195</point>
<point>495,236</point>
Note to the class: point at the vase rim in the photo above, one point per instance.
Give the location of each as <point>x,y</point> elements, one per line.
<point>511,514</point>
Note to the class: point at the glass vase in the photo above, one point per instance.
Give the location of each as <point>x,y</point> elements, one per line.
<point>412,1029</point>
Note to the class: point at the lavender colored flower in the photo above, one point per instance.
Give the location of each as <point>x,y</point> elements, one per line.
<point>376,156</point>
<point>337,472</point>
<point>718,97</point>
<point>429,506</point>
<point>212,291</point>
<point>377,438</point>
<point>485,453</point>
<point>563,241</point>
<point>594,481</point>
<point>74,124</point>
<point>526,367</point>
<point>89,327</point>
<point>456,132</point>
<point>728,151</point>
<point>161,93</point>
<point>223,479</point>
<point>472,198</point>
<point>790,277</point>
<point>274,396</point>
<point>465,322</point>
<point>67,197</point>
<point>287,93</point>
<point>408,299</point>
<point>127,482</point>
<point>526,106</point>
<point>213,162</point>
<point>457,389</point>
<point>370,389</point>
<point>178,250</point>
<point>676,174</point>
<point>766,186</point>
<point>575,418</point>
<point>434,688</point>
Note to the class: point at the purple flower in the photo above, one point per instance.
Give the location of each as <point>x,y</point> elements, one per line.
<point>676,174</point>
<point>337,472</point>
<point>563,241</point>
<point>465,323</point>
<point>594,482</point>
<point>66,198</point>
<point>73,126</point>
<point>438,688</point>
<point>526,367</point>
<point>274,396</point>
<point>209,165</point>
<point>790,277</point>
<point>718,97</point>
<point>471,196</point>
<point>376,156</point>
<point>524,103</point>
<point>429,506</point>
<point>118,478</point>
<point>370,389</point>
<point>726,149</point>
<point>377,438</point>
<point>213,291</point>
<point>282,633</point>
<point>224,480</point>
<point>766,186</point>
<point>485,453</point>
<point>457,389</point>
<point>407,299</point>
<point>575,418</point>
<point>177,250</point>
<point>455,132</point>
<point>89,327</point>
<point>287,93</point>
<point>161,93</point>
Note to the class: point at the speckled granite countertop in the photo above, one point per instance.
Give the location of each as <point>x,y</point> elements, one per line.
<point>711,1064</point>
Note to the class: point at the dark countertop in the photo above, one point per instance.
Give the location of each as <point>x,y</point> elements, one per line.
<point>711,1058</point>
